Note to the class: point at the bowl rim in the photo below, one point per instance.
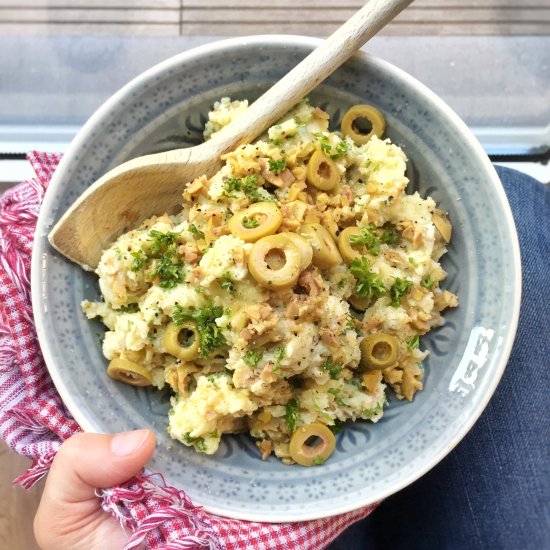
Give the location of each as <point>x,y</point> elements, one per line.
<point>44,223</point>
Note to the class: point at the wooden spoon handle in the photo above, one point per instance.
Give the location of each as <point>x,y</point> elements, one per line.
<point>317,66</point>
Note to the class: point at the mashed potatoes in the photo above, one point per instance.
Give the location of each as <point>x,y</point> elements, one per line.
<point>286,297</point>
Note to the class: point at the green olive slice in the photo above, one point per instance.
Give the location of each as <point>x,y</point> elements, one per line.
<point>129,372</point>
<point>379,350</point>
<point>351,125</point>
<point>443,225</point>
<point>349,253</point>
<point>275,262</point>
<point>321,448</point>
<point>256,221</point>
<point>325,251</point>
<point>182,341</point>
<point>303,246</point>
<point>360,303</point>
<point>322,172</point>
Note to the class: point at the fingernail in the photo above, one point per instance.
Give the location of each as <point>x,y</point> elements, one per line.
<point>128,443</point>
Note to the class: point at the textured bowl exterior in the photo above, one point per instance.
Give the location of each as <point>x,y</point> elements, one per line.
<point>166,108</point>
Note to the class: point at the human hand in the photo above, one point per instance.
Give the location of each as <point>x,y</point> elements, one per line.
<point>70,516</point>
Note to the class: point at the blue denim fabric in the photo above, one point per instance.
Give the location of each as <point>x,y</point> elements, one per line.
<point>493,490</point>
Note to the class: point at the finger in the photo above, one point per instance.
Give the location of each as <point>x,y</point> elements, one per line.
<point>88,461</point>
<point>70,515</point>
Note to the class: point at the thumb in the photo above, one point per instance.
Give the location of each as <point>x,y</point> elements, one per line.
<point>70,515</point>
<point>88,461</point>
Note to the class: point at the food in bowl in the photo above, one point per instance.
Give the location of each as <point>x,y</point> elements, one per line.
<point>289,293</point>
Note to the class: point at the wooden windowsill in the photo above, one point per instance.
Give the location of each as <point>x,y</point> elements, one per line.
<point>244,17</point>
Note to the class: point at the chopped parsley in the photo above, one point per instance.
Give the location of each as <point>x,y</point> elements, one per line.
<point>291,414</point>
<point>389,236</point>
<point>252,358</point>
<point>373,165</point>
<point>324,143</point>
<point>277,131</point>
<point>318,461</point>
<point>414,342</point>
<point>198,442</point>
<point>169,270</point>
<point>368,239</point>
<point>232,184</point>
<point>369,413</point>
<point>227,283</point>
<point>400,288</point>
<point>340,150</point>
<point>167,267</point>
<point>372,237</point>
<point>277,166</point>
<point>336,392</point>
<point>333,369</point>
<point>369,284</point>
<point>249,186</point>
<point>197,232</point>
<point>140,259</point>
<point>250,223</point>
<point>211,337</point>
<point>279,354</point>
<point>161,240</point>
<point>428,282</point>
<point>213,377</point>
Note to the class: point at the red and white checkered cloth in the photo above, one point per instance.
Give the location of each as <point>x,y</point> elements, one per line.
<point>34,421</point>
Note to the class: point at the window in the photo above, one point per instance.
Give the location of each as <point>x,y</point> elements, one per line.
<point>62,58</point>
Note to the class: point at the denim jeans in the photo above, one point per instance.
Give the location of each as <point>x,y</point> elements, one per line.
<point>493,490</point>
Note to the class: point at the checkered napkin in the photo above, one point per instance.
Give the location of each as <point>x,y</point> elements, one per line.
<point>34,421</point>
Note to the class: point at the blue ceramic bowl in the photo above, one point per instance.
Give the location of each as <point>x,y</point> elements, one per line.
<point>166,108</point>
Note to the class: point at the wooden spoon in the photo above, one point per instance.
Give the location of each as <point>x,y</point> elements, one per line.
<point>153,184</point>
